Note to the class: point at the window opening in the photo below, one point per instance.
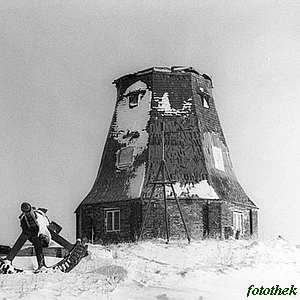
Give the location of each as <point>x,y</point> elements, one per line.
<point>112,220</point>
<point>237,223</point>
<point>125,157</point>
<point>205,101</point>
<point>204,96</point>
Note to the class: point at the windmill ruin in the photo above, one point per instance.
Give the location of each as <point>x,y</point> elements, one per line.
<point>166,113</point>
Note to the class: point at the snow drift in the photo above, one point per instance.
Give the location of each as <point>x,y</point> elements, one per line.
<point>202,270</point>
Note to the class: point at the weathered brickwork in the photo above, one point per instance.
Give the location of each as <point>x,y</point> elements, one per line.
<point>193,215</point>
<point>178,102</point>
<point>178,86</point>
<point>249,219</point>
<point>214,220</point>
<point>94,225</point>
<point>207,117</point>
<point>183,153</point>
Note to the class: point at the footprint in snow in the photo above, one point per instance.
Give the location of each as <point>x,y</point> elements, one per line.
<point>162,297</point>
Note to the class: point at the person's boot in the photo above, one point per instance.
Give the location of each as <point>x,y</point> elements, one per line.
<point>6,267</point>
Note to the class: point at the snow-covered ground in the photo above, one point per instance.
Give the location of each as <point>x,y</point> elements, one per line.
<point>203,270</point>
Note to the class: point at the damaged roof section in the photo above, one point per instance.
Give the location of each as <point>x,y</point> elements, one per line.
<point>164,69</point>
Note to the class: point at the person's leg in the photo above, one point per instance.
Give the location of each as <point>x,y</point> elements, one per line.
<point>38,251</point>
<point>17,246</point>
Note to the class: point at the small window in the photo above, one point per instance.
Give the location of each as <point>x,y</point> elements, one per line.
<point>204,96</point>
<point>112,220</point>
<point>205,101</point>
<point>125,157</point>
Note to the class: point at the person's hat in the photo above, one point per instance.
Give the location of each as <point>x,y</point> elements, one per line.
<point>25,207</point>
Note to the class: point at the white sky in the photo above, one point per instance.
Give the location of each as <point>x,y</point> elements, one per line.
<point>57,62</point>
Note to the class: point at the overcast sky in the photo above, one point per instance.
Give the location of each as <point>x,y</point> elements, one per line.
<point>59,58</point>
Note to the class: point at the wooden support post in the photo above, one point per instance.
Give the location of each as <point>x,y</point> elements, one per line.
<point>178,206</point>
<point>148,204</point>
<point>163,169</point>
<point>147,212</point>
<point>162,166</point>
<point>165,199</point>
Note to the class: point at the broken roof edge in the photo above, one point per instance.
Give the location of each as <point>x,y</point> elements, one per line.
<point>163,69</point>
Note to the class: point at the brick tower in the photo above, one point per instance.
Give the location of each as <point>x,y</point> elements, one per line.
<point>196,154</point>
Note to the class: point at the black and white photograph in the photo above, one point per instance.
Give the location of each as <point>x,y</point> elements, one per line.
<point>150,150</point>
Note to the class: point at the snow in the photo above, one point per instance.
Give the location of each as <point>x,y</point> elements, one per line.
<point>205,104</point>
<point>136,182</point>
<point>164,106</point>
<point>206,270</point>
<point>30,262</point>
<point>43,222</point>
<point>201,189</point>
<point>218,158</point>
<point>131,120</point>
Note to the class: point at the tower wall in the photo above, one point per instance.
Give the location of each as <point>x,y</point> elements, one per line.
<point>180,102</point>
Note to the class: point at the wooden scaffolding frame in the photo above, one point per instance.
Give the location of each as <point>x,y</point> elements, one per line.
<point>164,181</point>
